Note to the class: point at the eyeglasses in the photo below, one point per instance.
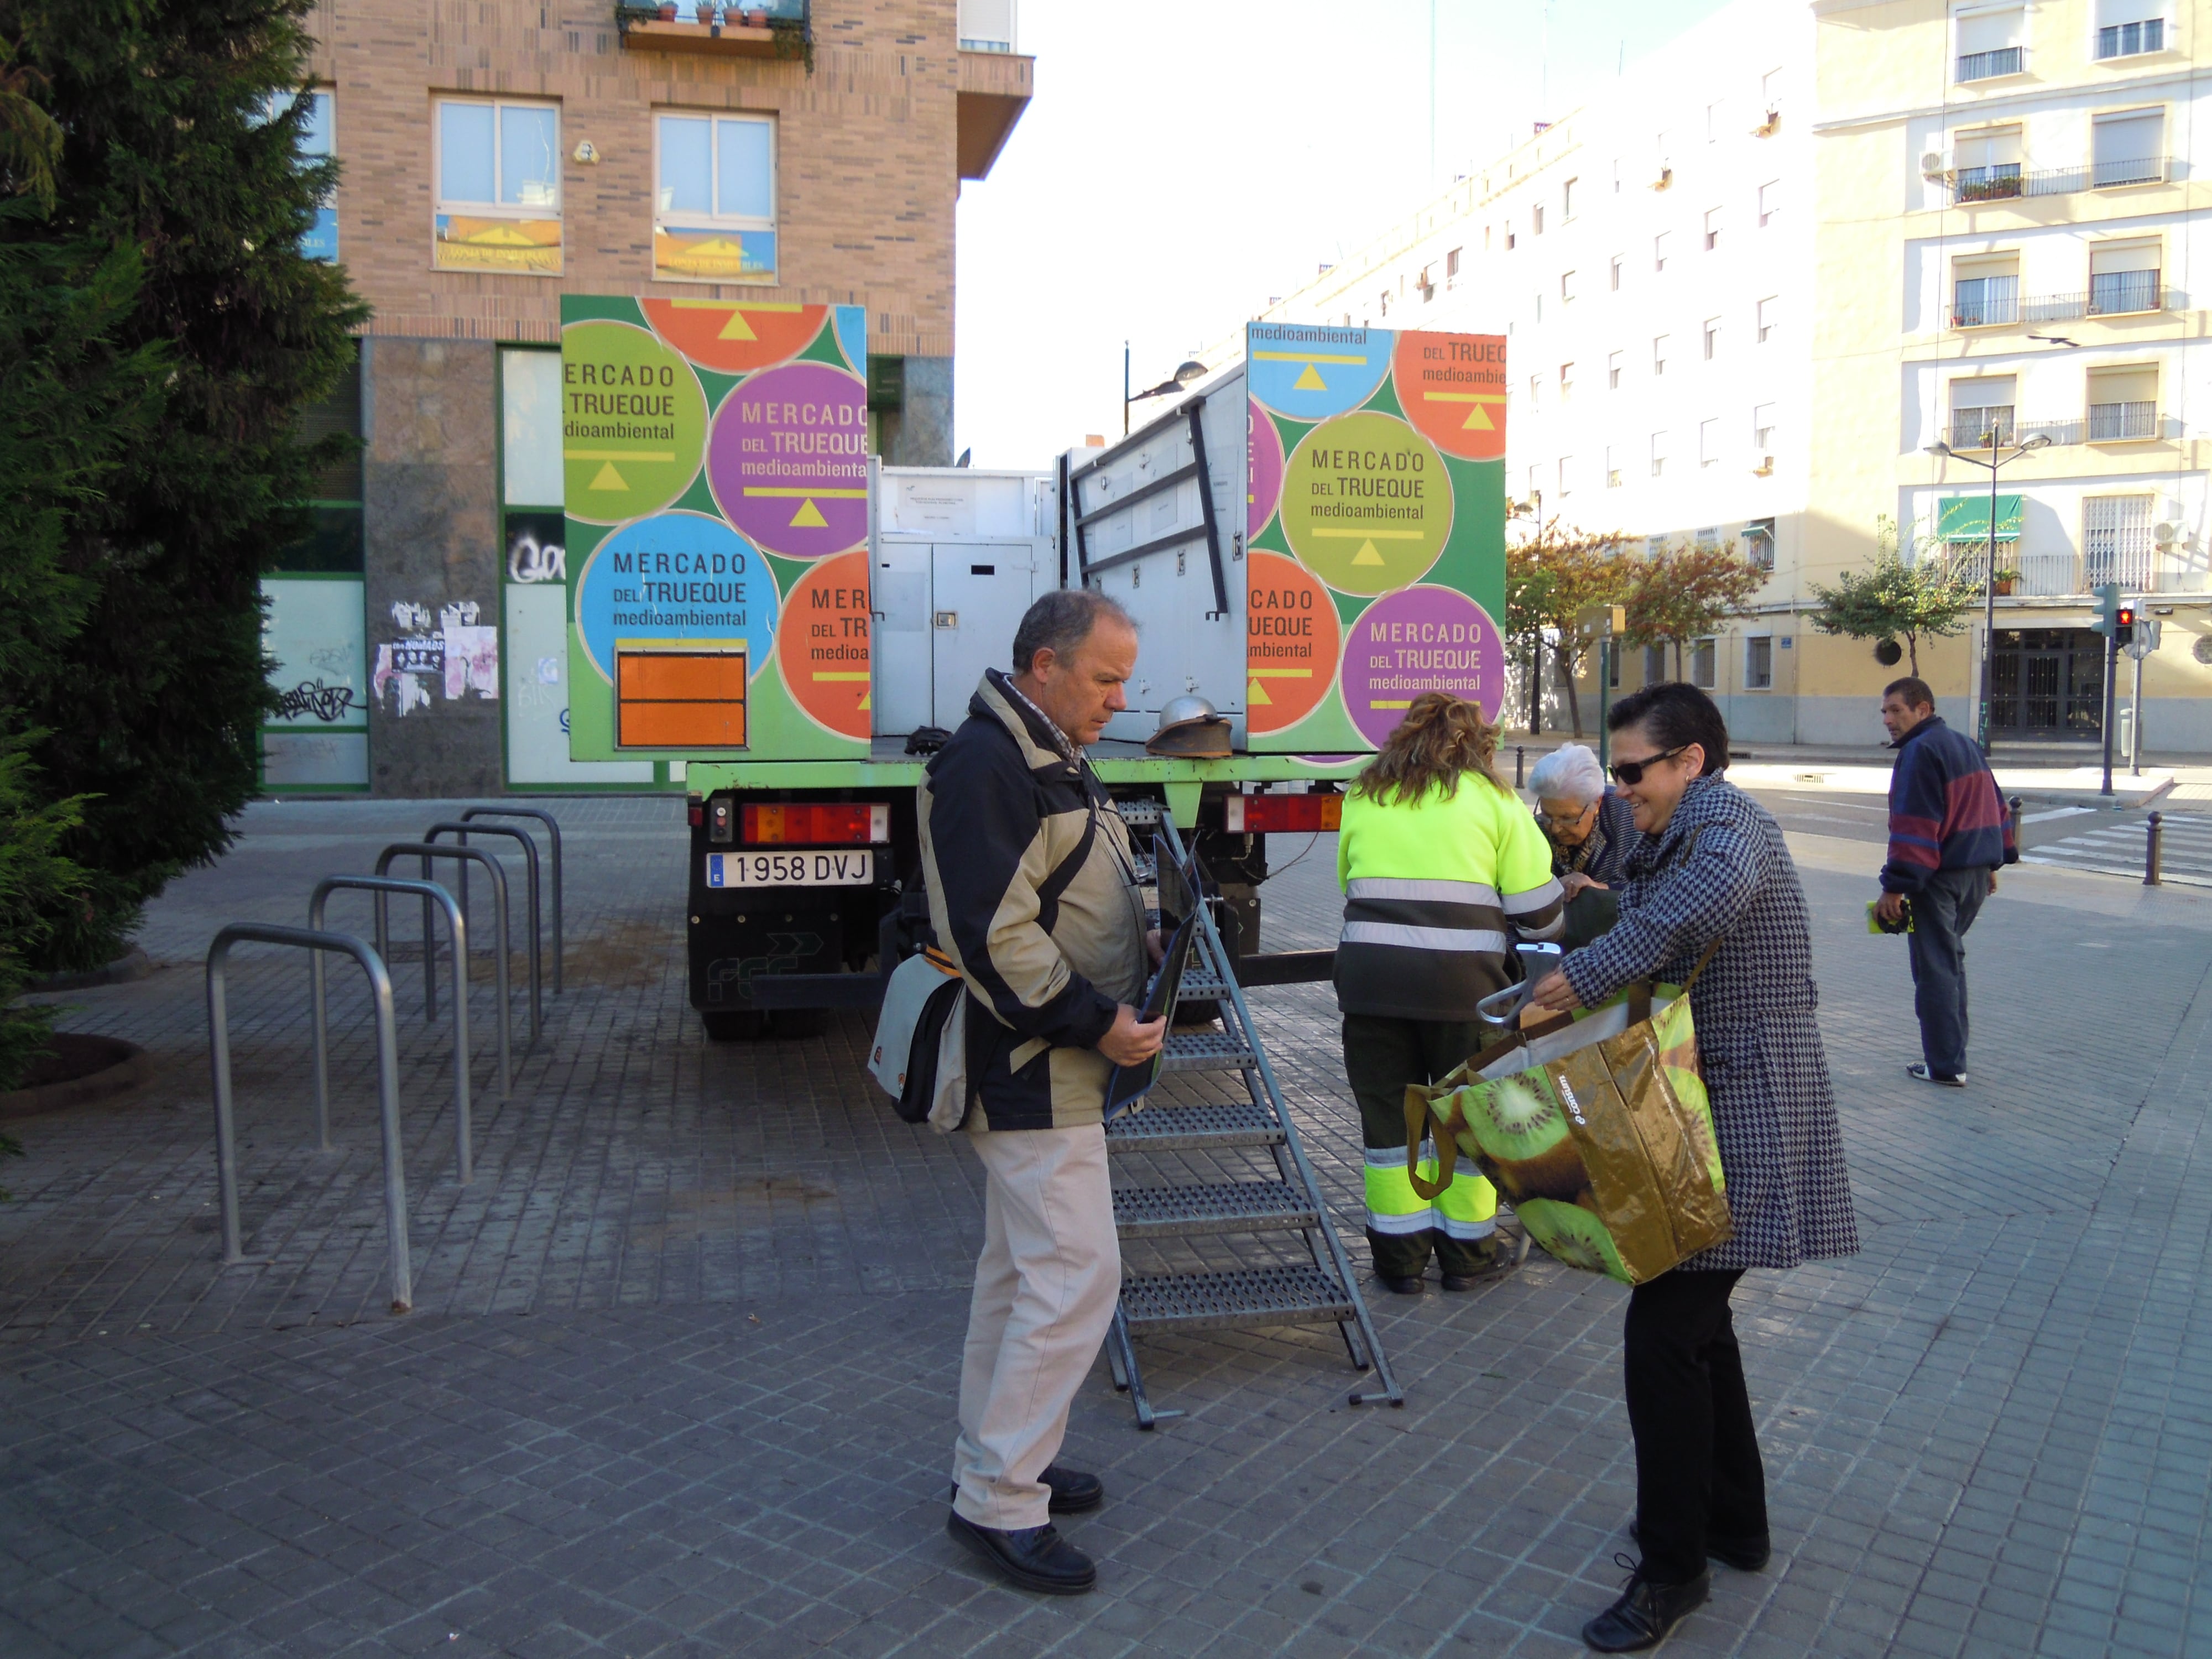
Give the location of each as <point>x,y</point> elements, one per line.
<point>1632,772</point>
<point>1565,820</point>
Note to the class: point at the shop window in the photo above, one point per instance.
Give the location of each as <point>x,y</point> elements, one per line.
<point>499,186</point>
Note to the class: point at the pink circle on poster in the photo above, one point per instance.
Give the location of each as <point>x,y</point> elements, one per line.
<point>788,459</point>
<point>1417,639</point>
<point>1263,470</point>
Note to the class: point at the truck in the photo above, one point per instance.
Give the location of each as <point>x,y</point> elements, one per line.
<point>1308,539</point>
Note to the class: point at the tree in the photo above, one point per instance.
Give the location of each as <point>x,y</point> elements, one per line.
<point>1685,593</point>
<point>1563,572</point>
<point>37,883</point>
<point>1893,600</point>
<point>159,320</point>
<point>1528,584</point>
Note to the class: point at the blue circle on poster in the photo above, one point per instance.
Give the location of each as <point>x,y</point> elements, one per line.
<point>677,576</point>
<point>1309,373</point>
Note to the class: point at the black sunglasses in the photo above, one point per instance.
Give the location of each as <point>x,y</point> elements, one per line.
<point>1632,772</point>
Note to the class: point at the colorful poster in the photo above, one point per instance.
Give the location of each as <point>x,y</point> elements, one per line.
<point>714,455</point>
<point>463,243</point>
<point>1376,507</point>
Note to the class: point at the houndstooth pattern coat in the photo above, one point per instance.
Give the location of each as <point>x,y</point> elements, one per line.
<point>1759,1044</point>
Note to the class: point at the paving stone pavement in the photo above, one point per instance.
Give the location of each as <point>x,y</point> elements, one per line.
<point>680,1376</point>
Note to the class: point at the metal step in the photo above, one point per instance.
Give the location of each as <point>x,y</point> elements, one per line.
<point>1201,983</point>
<point>1205,1051</point>
<point>1236,1206</point>
<point>1193,1128</point>
<point>1298,1294</point>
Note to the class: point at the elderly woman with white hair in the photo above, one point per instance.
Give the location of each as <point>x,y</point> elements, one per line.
<point>1591,831</point>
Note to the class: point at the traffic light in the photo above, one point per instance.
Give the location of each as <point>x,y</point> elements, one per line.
<point>2123,625</point>
<point>2108,610</point>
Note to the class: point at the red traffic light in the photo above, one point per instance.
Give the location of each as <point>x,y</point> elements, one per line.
<point>2125,616</point>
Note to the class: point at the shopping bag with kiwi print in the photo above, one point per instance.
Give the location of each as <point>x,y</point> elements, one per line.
<point>1595,1127</point>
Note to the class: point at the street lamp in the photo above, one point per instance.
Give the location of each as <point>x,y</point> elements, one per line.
<point>1191,370</point>
<point>1943,451</point>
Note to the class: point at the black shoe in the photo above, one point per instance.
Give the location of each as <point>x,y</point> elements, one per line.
<point>1072,1491</point>
<point>1744,1554</point>
<point>1404,1285</point>
<point>1034,1558</point>
<point>1644,1614</point>
<point>1504,1255</point>
<point>1918,1072</point>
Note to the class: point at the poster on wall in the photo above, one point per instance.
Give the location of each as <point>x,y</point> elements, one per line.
<point>1375,518</point>
<point>715,458</point>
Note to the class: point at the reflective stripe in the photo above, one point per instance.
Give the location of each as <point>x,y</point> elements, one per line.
<point>1419,1222</point>
<point>1402,887</point>
<point>1520,904</point>
<point>1394,1157</point>
<point>1422,938</point>
<point>1555,928</point>
<point>1469,1229</point>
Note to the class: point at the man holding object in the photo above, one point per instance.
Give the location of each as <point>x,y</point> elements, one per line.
<point>1033,893</point>
<point>1948,834</point>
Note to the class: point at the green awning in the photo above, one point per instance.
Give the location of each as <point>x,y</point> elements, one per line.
<point>1967,518</point>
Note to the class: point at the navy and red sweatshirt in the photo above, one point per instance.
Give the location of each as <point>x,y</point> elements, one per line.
<point>1945,812</point>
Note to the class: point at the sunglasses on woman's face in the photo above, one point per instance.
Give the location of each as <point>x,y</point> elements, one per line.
<point>1632,772</point>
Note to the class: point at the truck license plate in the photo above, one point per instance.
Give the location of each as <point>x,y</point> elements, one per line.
<point>853,868</point>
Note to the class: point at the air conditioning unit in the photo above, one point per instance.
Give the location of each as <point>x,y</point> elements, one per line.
<point>2165,534</point>
<point>1934,165</point>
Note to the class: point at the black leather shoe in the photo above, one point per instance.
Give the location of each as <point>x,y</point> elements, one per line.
<point>1033,1558</point>
<point>1744,1554</point>
<point>1072,1491</point>
<point>1644,1614</point>
<point>1409,1285</point>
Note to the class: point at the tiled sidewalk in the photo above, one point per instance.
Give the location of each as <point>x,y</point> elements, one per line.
<point>679,1378</point>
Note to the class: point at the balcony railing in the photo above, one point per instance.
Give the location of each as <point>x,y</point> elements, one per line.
<point>1985,310</point>
<point>2126,39</point>
<point>2006,181</point>
<point>2140,568</point>
<point>2117,423</point>
<point>2107,423</point>
<point>2113,293</point>
<point>1977,429</point>
<point>1987,66</point>
<point>777,28</point>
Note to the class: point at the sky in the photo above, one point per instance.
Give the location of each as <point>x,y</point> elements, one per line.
<point>1180,164</point>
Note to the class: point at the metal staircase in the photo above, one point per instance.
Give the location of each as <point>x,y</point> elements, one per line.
<point>1321,1290</point>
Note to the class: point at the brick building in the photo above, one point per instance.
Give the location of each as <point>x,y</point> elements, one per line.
<point>497,153</point>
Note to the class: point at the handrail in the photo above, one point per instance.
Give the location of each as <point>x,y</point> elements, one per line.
<point>454,826</point>
<point>428,850</point>
<point>387,1085</point>
<point>553,829</point>
<point>318,904</point>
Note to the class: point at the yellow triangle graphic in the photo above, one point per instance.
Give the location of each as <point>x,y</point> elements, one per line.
<point>1257,696</point>
<point>1367,554</point>
<point>865,704</point>
<point>1477,421</point>
<point>809,517</point>
<point>736,328</point>
<point>608,478</point>
<point>1310,381</point>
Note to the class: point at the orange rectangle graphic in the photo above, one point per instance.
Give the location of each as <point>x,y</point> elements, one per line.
<point>679,699</point>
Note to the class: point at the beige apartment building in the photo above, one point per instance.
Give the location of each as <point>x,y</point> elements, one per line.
<point>498,153</point>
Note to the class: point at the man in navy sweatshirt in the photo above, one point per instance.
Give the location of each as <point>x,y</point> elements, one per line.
<point>1948,833</point>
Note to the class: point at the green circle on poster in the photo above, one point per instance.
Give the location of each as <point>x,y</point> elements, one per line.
<point>633,422</point>
<point>1367,504</point>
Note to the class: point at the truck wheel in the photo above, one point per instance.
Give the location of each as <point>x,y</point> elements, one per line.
<point>800,1022</point>
<point>734,1025</point>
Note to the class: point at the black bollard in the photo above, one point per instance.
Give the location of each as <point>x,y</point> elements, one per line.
<point>2154,852</point>
<point>1520,766</point>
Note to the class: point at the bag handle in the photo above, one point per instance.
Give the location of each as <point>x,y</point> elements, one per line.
<point>1417,1124</point>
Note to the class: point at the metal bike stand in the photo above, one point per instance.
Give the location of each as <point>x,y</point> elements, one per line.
<point>387,1087</point>
<point>455,827</point>
<point>553,829</point>
<point>426,851</point>
<point>380,885</point>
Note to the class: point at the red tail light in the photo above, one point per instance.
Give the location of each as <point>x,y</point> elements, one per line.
<point>817,825</point>
<point>1262,815</point>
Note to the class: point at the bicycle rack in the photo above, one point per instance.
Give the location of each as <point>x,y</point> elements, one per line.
<point>426,851</point>
<point>381,886</point>
<point>553,829</point>
<point>452,826</point>
<point>387,1088</point>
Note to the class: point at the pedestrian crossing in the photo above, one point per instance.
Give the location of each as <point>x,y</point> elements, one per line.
<point>2118,849</point>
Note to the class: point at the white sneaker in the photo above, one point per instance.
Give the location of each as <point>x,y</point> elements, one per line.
<point>1919,1072</point>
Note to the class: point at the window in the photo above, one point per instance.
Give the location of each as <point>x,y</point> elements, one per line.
<point>2129,150</point>
<point>1567,198</point>
<point>1612,371</point>
<point>2124,276</point>
<point>1385,302</point>
<point>715,207</point>
<point>318,143</point>
<point>1655,662</point>
<point>1985,293</point>
<point>2122,404</point>
<point>1712,228</point>
<point>1536,219</point>
<point>1759,544</point>
<point>1709,443</point>
<point>1566,476</point>
<point>1566,381</point>
<point>1451,269</point>
<point>1769,91</point>
<point>1709,535</point>
<point>1654,546</point>
<point>1981,406</point>
<point>1618,261</point>
<point>1989,43</point>
<point>1612,467</point>
<point>1658,454</point>
<point>1987,163</point>
<point>1535,392</point>
<point>1762,428</point>
<point>1758,663</point>
<point>1537,305</point>
<point>1659,251</point>
<point>499,186</point>
<point>2126,28</point>
<point>1770,202</point>
<point>1713,338</point>
<point>1509,236</point>
<point>1715,119</point>
<point>2116,541</point>
<point>1659,354</point>
<point>1701,664</point>
<point>1769,312</point>
<point>1566,285</point>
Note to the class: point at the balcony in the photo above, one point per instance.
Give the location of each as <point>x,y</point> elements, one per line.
<point>1988,65</point>
<point>2120,424</point>
<point>994,89</point>
<point>725,28</point>
<point>2111,294</point>
<point>2107,423</point>
<point>2007,182</point>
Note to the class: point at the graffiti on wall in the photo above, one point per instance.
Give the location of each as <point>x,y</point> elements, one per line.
<point>454,652</point>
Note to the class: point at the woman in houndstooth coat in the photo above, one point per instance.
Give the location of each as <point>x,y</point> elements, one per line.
<point>1712,871</point>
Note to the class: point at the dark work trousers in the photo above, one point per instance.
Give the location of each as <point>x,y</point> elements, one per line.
<point>1698,1472</point>
<point>1381,1056</point>
<point>1941,912</point>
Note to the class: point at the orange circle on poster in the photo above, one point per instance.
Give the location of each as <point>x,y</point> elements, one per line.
<point>822,641</point>
<point>1292,642</point>
<point>734,335</point>
<point>1452,387</point>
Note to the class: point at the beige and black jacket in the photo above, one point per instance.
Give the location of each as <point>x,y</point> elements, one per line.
<point>1033,893</point>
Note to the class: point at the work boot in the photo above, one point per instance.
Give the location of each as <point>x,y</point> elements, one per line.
<point>1644,1614</point>
<point>1072,1491</point>
<point>1498,1254</point>
<point>1033,1558</point>
<point>1402,1284</point>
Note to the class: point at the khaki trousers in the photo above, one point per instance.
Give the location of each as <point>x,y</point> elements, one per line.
<point>1046,1285</point>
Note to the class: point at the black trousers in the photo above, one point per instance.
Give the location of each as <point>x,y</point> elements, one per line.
<point>1698,1472</point>
<point>1941,912</point>
<point>1381,1056</point>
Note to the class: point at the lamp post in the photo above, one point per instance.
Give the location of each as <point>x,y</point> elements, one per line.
<point>1944,452</point>
<point>1191,370</point>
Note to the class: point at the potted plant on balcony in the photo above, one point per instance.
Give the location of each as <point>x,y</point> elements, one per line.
<point>667,10</point>
<point>2002,581</point>
<point>756,17</point>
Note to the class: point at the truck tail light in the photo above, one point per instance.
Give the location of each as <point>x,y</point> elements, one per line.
<point>1262,814</point>
<point>818,824</point>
